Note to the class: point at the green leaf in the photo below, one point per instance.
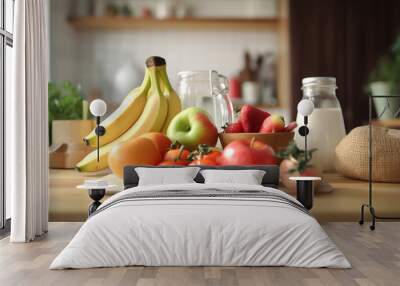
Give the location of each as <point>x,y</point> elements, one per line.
<point>294,152</point>
<point>65,101</point>
<point>387,69</point>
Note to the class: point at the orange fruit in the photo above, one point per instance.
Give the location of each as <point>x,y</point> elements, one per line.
<point>162,142</point>
<point>137,151</point>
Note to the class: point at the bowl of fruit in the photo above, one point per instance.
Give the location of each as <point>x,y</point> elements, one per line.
<point>260,125</point>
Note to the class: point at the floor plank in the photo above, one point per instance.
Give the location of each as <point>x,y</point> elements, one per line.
<point>375,257</point>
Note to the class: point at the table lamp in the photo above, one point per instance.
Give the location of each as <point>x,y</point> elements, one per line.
<point>98,108</point>
<point>305,187</point>
<point>305,108</point>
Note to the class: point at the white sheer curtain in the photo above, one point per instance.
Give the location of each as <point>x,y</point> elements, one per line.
<point>27,133</point>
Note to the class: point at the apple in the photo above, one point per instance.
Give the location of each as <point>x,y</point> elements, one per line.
<point>192,127</point>
<point>247,152</point>
<point>252,118</point>
<point>272,124</point>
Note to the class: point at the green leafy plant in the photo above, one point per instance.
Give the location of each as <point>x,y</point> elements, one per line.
<point>388,69</point>
<point>292,152</point>
<point>65,102</point>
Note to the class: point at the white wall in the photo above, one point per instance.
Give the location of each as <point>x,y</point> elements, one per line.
<point>92,58</point>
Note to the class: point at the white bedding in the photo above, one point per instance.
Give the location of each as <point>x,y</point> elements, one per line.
<point>183,231</point>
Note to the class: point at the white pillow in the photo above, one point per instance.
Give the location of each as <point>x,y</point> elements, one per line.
<point>166,176</point>
<point>248,177</point>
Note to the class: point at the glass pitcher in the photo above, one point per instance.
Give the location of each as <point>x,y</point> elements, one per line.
<point>209,91</point>
<point>326,123</point>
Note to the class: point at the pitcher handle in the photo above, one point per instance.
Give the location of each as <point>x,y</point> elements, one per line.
<point>224,90</point>
<point>223,84</point>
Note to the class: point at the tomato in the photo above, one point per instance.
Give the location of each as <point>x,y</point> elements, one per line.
<point>213,155</point>
<point>204,161</point>
<point>174,163</point>
<point>205,155</point>
<point>176,155</point>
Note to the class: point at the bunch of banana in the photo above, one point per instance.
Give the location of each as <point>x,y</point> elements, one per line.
<point>174,102</point>
<point>148,108</point>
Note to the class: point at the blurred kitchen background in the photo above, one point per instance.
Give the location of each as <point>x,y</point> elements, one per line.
<point>265,47</point>
<point>102,45</point>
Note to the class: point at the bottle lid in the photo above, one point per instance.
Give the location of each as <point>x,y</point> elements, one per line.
<point>320,81</point>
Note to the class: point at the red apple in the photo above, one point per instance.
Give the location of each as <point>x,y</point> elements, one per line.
<point>290,127</point>
<point>272,124</point>
<point>252,118</point>
<point>247,152</point>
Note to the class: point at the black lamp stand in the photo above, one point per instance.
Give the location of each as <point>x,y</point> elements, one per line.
<point>100,131</point>
<point>303,131</point>
<point>305,193</point>
<point>370,205</point>
<point>305,188</point>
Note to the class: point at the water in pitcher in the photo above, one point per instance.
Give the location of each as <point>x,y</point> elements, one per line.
<point>326,127</point>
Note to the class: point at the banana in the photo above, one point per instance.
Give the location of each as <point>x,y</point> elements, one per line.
<point>151,120</point>
<point>123,117</point>
<point>174,102</point>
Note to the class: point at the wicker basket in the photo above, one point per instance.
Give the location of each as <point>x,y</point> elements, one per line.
<point>352,154</point>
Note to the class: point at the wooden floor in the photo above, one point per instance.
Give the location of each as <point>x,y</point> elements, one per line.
<point>343,204</point>
<point>375,257</point>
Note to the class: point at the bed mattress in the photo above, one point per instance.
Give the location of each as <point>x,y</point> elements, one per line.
<point>201,225</point>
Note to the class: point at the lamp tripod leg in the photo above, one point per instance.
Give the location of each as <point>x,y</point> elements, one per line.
<point>361,221</point>
<point>372,211</point>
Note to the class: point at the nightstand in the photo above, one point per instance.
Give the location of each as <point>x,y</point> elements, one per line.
<point>96,191</point>
<point>305,190</point>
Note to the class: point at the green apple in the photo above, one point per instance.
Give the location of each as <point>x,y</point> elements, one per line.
<point>192,127</point>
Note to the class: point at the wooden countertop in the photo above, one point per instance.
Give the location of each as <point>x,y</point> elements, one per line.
<point>343,204</point>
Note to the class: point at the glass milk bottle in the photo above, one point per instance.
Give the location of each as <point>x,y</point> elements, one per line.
<point>326,123</point>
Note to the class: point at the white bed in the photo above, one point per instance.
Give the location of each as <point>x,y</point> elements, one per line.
<point>242,225</point>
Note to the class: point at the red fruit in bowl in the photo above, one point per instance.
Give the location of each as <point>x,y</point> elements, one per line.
<point>273,124</point>
<point>252,118</point>
<point>234,127</point>
<point>290,127</point>
<point>248,152</point>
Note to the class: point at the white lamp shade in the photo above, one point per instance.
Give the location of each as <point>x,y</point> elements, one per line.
<point>98,107</point>
<point>305,107</point>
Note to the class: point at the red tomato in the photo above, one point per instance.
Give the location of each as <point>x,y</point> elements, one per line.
<point>213,155</point>
<point>173,163</point>
<point>203,161</point>
<point>176,155</point>
<point>205,152</point>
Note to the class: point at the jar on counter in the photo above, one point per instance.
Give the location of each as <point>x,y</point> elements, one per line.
<point>326,123</point>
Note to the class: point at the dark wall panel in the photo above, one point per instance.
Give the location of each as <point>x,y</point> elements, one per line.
<point>344,39</point>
